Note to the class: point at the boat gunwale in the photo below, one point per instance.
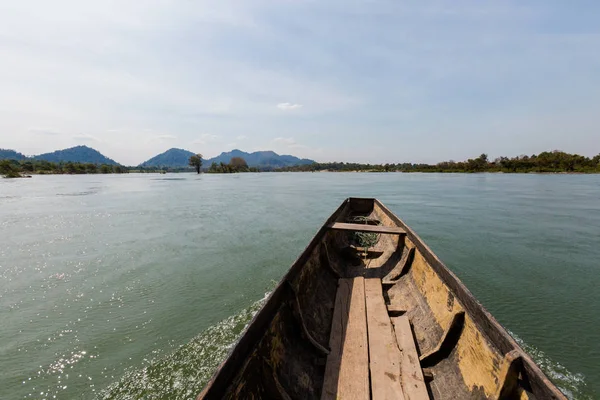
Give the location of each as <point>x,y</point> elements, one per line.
<point>254,330</point>
<point>485,322</point>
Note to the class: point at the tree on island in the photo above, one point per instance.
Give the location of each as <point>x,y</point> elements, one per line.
<point>238,164</point>
<point>196,162</point>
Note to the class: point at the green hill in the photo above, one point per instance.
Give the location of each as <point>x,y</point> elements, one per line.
<point>6,154</point>
<point>260,159</point>
<point>172,158</point>
<point>179,158</point>
<point>82,154</point>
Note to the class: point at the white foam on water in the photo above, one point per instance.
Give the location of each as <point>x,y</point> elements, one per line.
<point>182,374</point>
<point>573,385</point>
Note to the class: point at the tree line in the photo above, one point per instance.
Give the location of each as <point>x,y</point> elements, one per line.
<point>17,168</point>
<point>554,161</point>
<point>236,164</point>
<point>20,168</point>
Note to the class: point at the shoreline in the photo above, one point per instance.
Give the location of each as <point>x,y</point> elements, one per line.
<point>32,174</point>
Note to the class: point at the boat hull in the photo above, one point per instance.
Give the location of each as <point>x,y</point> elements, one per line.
<point>463,351</point>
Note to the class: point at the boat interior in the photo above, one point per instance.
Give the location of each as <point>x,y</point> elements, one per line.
<point>369,312</point>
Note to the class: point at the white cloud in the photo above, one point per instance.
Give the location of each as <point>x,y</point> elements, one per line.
<point>126,130</point>
<point>43,131</point>
<point>165,137</point>
<point>104,69</point>
<point>287,141</point>
<point>206,138</point>
<point>152,138</point>
<point>82,137</point>
<point>288,106</point>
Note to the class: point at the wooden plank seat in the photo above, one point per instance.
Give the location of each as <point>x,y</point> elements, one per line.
<point>384,355</point>
<point>347,368</point>
<point>413,381</point>
<point>341,226</point>
<point>372,355</point>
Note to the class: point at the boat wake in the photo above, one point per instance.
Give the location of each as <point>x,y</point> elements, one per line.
<point>182,374</point>
<point>572,385</point>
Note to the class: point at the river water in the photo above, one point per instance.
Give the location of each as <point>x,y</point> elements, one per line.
<point>134,286</point>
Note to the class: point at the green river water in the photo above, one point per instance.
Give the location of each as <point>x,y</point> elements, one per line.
<point>135,286</point>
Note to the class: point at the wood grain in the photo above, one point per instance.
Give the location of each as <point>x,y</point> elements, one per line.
<point>367,228</point>
<point>413,381</point>
<point>384,355</point>
<point>347,368</point>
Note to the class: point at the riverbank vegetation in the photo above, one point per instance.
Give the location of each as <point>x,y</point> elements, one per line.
<point>546,162</point>
<point>550,162</point>
<point>19,168</point>
<point>237,164</point>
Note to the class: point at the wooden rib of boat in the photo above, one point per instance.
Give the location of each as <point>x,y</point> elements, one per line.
<point>374,316</point>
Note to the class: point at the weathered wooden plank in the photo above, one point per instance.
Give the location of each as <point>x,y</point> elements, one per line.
<point>384,355</point>
<point>402,268</point>
<point>367,228</point>
<point>395,310</point>
<point>428,374</point>
<point>447,342</point>
<point>347,368</point>
<point>300,316</point>
<point>412,378</point>
<point>509,376</point>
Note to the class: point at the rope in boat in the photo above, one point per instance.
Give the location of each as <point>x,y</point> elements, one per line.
<point>365,239</point>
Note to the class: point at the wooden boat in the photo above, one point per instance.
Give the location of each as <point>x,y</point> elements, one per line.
<point>368,311</point>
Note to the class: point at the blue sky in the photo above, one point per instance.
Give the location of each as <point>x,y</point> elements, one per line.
<point>367,81</point>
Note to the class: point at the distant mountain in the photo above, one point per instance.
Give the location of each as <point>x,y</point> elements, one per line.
<point>172,158</point>
<point>6,154</point>
<point>179,158</point>
<point>261,159</point>
<point>82,154</point>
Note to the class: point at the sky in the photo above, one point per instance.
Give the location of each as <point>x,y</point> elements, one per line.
<point>332,80</point>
